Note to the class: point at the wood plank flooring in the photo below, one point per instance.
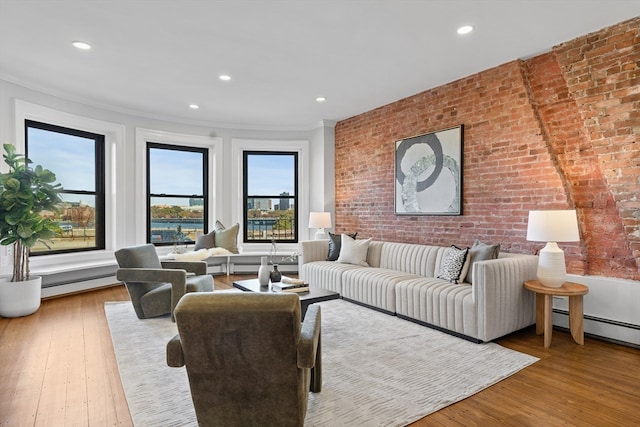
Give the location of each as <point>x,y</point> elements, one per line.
<point>58,368</point>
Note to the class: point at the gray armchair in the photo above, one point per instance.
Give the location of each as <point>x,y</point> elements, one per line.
<point>249,360</point>
<point>155,287</point>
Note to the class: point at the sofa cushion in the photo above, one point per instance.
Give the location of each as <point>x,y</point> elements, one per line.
<point>438,302</point>
<point>325,274</point>
<point>354,251</point>
<point>335,243</point>
<point>481,252</point>
<point>455,264</point>
<point>374,287</point>
<point>411,258</point>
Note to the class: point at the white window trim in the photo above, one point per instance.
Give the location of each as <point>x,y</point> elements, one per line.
<point>114,188</point>
<point>214,144</point>
<point>238,147</point>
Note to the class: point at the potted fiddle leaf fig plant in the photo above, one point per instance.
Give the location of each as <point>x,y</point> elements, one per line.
<point>26,192</point>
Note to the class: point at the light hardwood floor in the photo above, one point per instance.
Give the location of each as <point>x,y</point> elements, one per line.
<point>58,368</point>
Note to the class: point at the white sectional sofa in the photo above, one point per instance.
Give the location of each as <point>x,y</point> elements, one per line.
<point>401,279</point>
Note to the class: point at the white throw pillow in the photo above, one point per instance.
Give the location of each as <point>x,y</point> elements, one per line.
<point>455,264</point>
<point>354,251</point>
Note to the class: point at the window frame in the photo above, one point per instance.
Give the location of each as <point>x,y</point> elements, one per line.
<point>245,196</point>
<point>205,185</point>
<point>99,186</point>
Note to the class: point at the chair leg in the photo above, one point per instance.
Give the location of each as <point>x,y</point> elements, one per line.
<point>316,371</point>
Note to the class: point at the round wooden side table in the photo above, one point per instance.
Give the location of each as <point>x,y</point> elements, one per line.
<point>544,308</point>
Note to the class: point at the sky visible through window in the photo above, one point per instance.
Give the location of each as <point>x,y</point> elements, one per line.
<point>270,174</point>
<point>175,172</point>
<point>69,157</point>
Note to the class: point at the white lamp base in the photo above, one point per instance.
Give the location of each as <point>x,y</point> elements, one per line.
<point>552,271</point>
<point>321,234</point>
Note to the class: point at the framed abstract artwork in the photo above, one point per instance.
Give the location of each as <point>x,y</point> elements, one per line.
<point>428,173</point>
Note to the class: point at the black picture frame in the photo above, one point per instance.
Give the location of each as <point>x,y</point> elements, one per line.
<point>428,173</point>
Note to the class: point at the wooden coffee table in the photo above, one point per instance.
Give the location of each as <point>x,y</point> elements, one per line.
<point>306,298</point>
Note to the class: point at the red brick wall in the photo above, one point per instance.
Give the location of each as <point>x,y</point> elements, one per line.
<point>557,131</point>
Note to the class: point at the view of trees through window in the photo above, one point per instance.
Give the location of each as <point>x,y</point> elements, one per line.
<point>270,196</point>
<point>77,159</point>
<point>177,189</point>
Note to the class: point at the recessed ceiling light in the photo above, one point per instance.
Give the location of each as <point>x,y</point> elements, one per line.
<point>81,45</point>
<point>225,77</point>
<point>194,106</point>
<point>465,29</point>
<point>321,99</point>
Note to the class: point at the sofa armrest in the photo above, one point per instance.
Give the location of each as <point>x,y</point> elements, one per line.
<point>177,278</point>
<point>309,352</point>
<point>503,304</point>
<point>313,250</point>
<point>309,337</point>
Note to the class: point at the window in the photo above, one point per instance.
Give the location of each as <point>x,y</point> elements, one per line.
<point>77,159</point>
<point>270,196</point>
<point>176,193</point>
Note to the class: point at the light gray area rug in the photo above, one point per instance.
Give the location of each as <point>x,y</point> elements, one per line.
<point>378,370</point>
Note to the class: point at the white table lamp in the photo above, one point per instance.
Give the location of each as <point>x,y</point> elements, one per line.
<point>552,227</point>
<point>320,220</point>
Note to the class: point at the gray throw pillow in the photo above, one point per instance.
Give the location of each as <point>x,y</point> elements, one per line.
<point>481,252</point>
<point>206,241</point>
<point>335,243</point>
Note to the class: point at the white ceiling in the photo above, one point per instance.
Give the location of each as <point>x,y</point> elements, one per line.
<point>154,58</point>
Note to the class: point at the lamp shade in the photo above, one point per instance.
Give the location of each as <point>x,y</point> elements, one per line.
<point>553,226</point>
<point>319,220</point>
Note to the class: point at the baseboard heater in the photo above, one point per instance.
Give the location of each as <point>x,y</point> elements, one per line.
<point>605,321</point>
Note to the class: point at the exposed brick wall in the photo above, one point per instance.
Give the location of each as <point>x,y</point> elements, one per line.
<point>531,141</point>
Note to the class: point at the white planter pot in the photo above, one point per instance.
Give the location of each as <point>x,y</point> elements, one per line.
<point>20,298</point>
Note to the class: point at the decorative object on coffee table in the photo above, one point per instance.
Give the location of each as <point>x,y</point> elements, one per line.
<point>263,272</point>
<point>275,275</point>
<point>551,227</point>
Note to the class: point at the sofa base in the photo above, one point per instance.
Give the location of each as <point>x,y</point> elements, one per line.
<point>419,322</point>
<point>438,328</point>
<point>381,310</point>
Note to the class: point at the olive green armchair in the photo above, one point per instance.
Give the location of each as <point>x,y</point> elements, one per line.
<point>249,359</point>
<point>155,287</point>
